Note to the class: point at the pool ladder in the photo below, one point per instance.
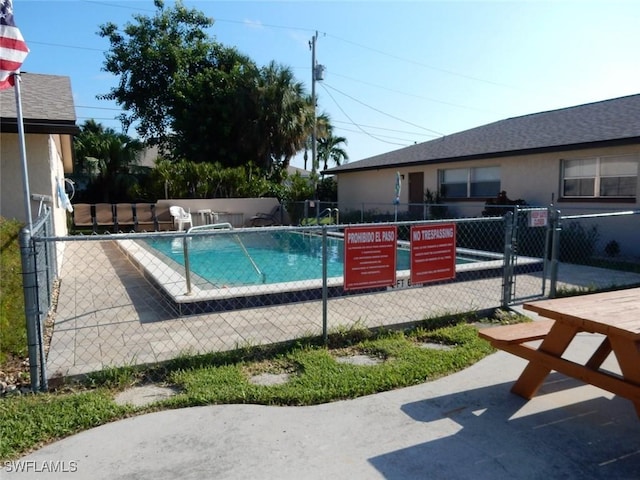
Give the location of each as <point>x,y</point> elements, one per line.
<point>260,273</point>
<point>217,226</point>
<point>330,212</point>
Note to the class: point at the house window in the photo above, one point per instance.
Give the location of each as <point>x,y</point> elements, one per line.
<point>480,182</point>
<point>604,177</point>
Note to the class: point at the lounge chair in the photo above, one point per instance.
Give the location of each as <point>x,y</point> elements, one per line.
<point>163,218</point>
<point>181,216</point>
<point>82,216</point>
<point>274,217</point>
<point>144,217</point>
<point>124,217</point>
<point>104,216</point>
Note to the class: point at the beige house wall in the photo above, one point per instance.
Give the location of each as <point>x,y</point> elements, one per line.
<point>373,188</point>
<point>57,146</point>
<point>45,155</point>
<point>534,178</point>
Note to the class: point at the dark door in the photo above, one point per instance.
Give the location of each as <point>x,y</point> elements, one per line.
<point>416,195</point>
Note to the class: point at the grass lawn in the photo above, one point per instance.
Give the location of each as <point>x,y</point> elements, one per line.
<point>314,373</point>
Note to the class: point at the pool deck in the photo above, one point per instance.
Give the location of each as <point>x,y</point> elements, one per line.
<point>109,314</point>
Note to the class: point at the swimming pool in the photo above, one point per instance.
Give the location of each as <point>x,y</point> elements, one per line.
<point>256,258</point>
<point>232,269</point>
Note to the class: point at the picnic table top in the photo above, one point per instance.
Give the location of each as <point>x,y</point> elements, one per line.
<point>615,312</point>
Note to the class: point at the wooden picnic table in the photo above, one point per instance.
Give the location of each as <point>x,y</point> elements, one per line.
<point>614,315</point>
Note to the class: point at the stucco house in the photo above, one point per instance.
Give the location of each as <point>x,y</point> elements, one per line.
<point>587,154</point>
<point>580,158</point>
<point>49,121</point>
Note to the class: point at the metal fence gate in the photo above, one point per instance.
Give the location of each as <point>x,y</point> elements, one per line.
<point>528,243</point>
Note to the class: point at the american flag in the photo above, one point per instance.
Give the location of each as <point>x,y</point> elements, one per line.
<point>13,49</point>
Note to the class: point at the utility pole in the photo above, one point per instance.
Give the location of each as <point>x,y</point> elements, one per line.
<point>317,73</point>
<point>312,45</point>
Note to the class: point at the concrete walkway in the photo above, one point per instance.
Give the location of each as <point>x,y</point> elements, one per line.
<point>464,426</point>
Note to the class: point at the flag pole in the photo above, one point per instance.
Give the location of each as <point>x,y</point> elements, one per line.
<point>23,152</point>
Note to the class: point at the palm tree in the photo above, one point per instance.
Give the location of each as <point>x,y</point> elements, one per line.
<point>323,126</point>
<point>109,158</point>
<point>285,115</point>
<point>329,149</point>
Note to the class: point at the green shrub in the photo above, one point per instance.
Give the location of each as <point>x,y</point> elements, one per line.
<point>578,243</point>
<point>435,210</point>
<point>13,333</point>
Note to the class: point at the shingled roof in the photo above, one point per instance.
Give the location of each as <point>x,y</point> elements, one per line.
<point>608,122</point>
<point>47,105</point>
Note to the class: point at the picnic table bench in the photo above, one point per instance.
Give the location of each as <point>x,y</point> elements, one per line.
<point>614,316</point>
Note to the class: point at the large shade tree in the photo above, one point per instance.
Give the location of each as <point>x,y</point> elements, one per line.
<point>152,56</point>
<point>214,113</point>
<point>199,99</point>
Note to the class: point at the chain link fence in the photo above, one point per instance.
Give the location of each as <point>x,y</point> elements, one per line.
<point>40,281</point>
<point>600,243</point>
<point>143,298</point>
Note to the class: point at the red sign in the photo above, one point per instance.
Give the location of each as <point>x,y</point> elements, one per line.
<point>538,218</point>
<point>433,252</point>
<point>369,257</point>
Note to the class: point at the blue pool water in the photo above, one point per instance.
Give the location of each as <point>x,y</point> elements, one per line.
<point>255,258</point>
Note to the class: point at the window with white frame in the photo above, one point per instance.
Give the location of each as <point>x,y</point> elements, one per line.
<point>478,182</point>
<point>600,177</point>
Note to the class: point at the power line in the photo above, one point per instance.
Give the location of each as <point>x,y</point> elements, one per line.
<point>216,20</point>
<point>387,129</point>
<point>49,44</point>
<point>383,113</point>
<point>354,123</point>
<point>260,24</point>
<point>410,94</point>
<point>97,118</point>
<point>414,62</point>
<point>129,7</point>
<point>100,108</point>
<point>407,141</point>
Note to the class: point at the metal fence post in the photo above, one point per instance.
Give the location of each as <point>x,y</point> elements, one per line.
<point>49,257</point>
<point>546,255</point>
<point>31,306</point>
<point>187,267</point>
<point>555,250</point>
<point>325,290</point>
<point>507,275</point>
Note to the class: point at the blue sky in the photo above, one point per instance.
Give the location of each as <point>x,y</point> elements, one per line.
<point>397,73</point>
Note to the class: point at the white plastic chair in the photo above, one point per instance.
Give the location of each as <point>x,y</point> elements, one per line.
<point>181,216</point>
